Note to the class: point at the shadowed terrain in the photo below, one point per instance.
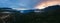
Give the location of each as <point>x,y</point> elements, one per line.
<point>51,14</point>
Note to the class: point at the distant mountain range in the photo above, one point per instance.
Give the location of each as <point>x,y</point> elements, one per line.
<point>49,8</point>
<point>38,10</point>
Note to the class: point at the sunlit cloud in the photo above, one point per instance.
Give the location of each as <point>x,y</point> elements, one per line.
<point>47,3</point>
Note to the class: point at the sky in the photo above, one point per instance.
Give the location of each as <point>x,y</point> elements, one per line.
<point>28,4</point>
<point>47,3</point>
<point>18,3</point>
<point>40,4</point>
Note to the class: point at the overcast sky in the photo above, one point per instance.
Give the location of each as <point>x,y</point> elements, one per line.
<point>18,3</point>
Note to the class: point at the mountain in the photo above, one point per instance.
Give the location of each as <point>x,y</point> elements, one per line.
<point>49,8</point>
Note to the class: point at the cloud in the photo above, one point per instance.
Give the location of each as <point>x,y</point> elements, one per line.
<point>47,3</point>
<point>18,3</point>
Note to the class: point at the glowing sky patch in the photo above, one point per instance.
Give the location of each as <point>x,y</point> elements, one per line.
<point>47,3</point>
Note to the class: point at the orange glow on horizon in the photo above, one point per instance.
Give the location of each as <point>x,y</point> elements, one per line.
<point>47,3</point>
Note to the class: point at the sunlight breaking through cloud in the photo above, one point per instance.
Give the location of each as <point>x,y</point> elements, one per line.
<point>47,3</point>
